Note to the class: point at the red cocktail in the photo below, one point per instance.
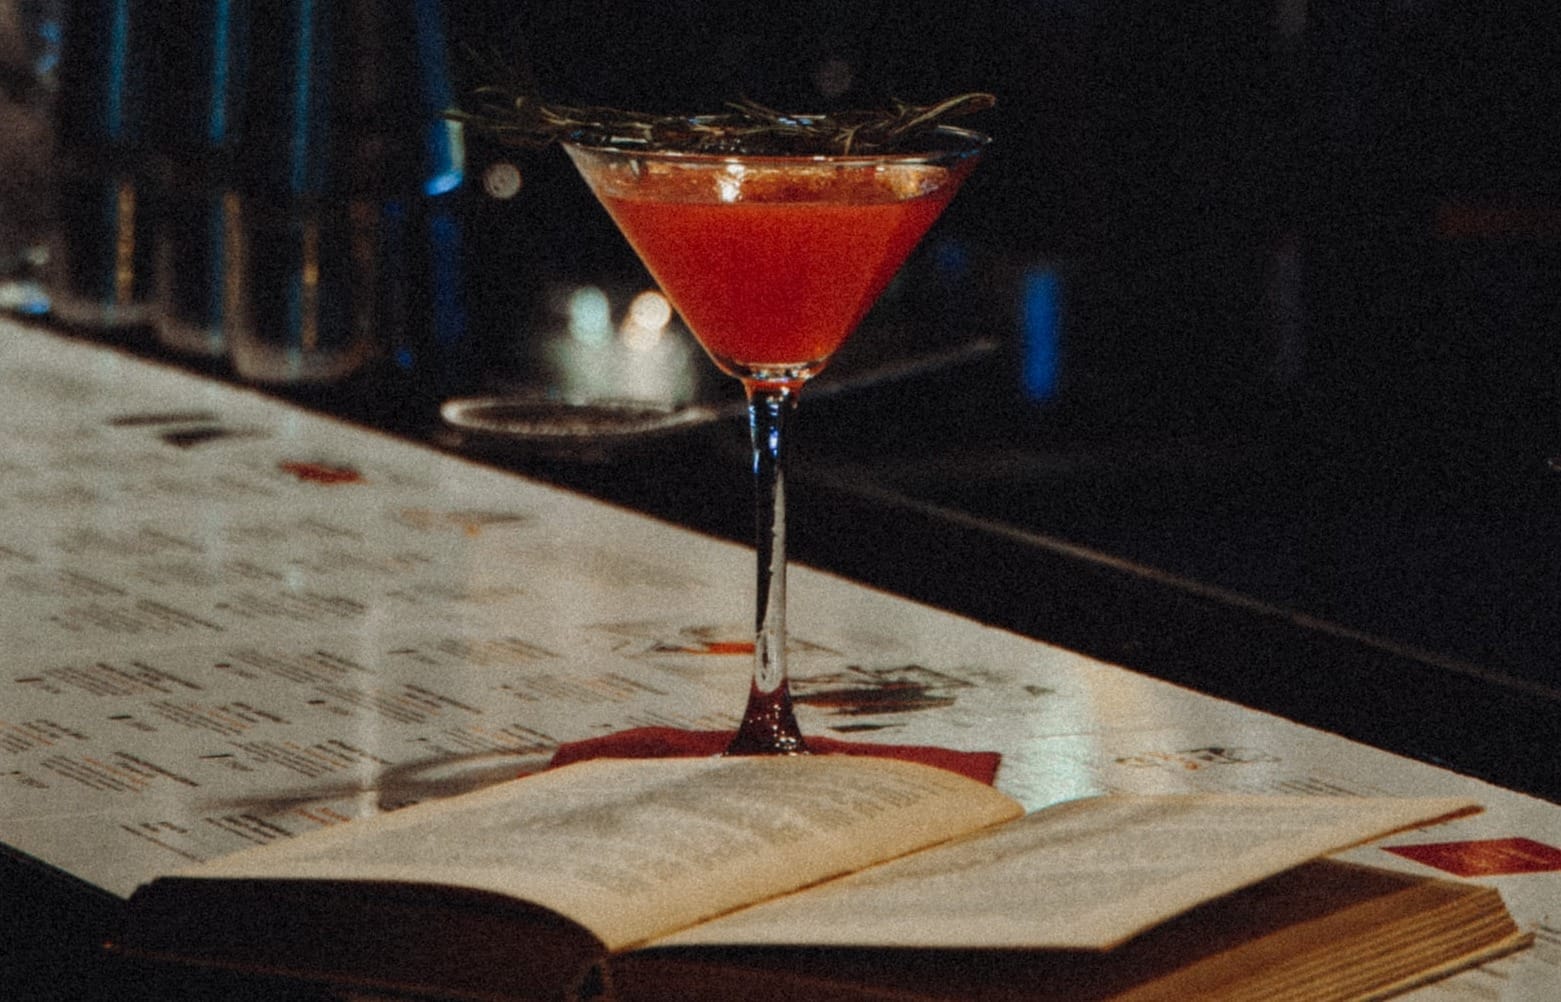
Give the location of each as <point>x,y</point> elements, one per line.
<point>772,260</point>
<point>781,276</point>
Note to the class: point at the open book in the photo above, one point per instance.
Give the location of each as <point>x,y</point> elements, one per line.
<point>825,877</point>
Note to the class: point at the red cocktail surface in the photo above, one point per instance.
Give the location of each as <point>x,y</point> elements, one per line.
<point>773,264</point>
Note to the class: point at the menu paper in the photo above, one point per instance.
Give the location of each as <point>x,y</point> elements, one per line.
<point>227,620</point>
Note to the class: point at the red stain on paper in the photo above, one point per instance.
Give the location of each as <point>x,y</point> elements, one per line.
<point>721,647</point>
<point>686,644</point>
<point>1484,857</point>
<point>320,473</point>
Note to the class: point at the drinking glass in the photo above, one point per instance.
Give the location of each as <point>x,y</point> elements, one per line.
<point>772,259</point>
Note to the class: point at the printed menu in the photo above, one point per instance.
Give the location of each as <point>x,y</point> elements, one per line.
<point>227,620</point>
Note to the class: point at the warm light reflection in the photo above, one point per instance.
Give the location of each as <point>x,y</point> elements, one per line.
<point>730,184</point>
<point>646,320</point>
<point>647,357</point>
<point>124,244</point>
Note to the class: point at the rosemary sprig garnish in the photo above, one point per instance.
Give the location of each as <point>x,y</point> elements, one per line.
<point>514,113</point>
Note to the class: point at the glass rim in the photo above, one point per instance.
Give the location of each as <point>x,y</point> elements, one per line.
<point>963,143</point>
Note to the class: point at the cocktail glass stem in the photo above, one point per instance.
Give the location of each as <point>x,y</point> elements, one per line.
<point>769,726</point>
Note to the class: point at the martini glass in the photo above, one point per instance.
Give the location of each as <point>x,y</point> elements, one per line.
<point>772,260</point>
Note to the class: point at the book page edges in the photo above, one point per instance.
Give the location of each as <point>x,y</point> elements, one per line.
<point>1512,943</point>
<point>1327,930</point>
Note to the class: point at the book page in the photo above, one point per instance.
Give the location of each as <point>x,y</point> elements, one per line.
<point>1088,874</point>
<point>637,848</point>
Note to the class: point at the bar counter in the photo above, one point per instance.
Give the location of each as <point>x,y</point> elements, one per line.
<point>1367,579</point>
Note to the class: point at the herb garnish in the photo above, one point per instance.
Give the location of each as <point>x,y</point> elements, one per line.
<point>513,112</point>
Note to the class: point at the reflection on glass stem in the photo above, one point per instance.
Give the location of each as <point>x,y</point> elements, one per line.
<point>769,725</point>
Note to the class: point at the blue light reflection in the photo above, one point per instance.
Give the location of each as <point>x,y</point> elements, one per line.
<point>221,71</point>
<point>1040,325</point>
<point>441,139</point>
<point>118,68</point>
